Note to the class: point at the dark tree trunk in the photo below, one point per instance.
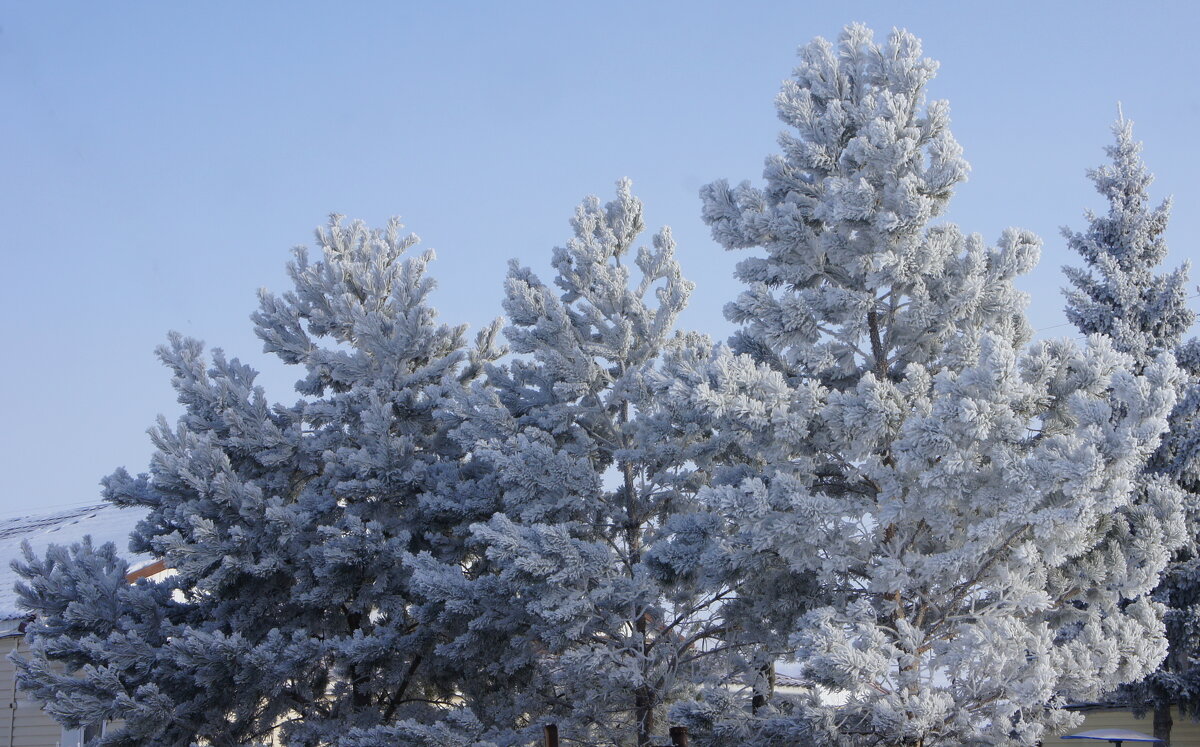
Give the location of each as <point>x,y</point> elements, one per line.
<point>764,687</point>
<point>643,704</point>
<point>1162,724</point>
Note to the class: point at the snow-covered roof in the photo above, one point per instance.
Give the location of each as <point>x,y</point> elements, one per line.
<point>796,683</point>
<point>103,521</point>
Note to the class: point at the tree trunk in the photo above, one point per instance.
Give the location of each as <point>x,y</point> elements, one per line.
<point>643,696</point>
<point>764,687</point>
<point>644,711</point>
<point>1162,724</point>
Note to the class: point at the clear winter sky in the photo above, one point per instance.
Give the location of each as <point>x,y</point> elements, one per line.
<point>159,160</point>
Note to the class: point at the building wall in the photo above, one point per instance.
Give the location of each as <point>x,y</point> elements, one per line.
<point>23,723</point>
<point>1185,732</point>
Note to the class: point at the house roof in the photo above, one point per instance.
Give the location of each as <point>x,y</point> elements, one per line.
<point>786,680</point>
<point>104,522</point>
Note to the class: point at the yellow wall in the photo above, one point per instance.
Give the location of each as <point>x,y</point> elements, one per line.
<point>22,721</point>
<point>1185,732</point>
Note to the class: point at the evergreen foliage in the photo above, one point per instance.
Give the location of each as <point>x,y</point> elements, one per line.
<point>1119,293</point>
<point>287,527</point>
<point>951,493</point>
<point>953,532</point>
<point>593,475</point>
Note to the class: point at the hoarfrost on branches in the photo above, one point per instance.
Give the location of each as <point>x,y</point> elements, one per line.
<point>1118,293</point>
<point>594,476</point>
<point>952,494</point>
<point>291,606</point>
<point>953,532</point>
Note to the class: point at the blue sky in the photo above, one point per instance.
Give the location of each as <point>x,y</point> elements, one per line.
<point>160,160</point>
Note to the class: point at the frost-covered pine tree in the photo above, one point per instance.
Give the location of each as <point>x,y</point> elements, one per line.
<point>951,492</point>
<point>1119,293</point>
<point>288,528</point>
<point>577,593</point>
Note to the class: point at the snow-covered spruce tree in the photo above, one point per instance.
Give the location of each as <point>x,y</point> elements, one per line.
<point>287,527</point>
<point>952,493</point>
<point>1120,294</point>
<point>600,631</point>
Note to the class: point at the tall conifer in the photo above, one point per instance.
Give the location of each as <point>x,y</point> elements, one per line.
<point>290,605</point>
<point>579,590</point>
<point>953,494</point>
<point>1120,293</point>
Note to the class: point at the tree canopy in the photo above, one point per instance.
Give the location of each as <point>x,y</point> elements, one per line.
<point>951,530</point>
